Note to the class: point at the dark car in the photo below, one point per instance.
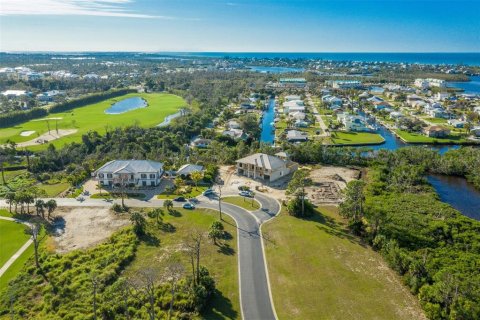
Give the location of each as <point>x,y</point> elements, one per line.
<point>180,199</point>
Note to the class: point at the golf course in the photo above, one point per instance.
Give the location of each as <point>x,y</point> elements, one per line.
<point>67,127</point>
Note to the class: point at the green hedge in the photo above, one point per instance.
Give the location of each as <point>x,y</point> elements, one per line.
<point>93,98</point>
<point>16,117</point>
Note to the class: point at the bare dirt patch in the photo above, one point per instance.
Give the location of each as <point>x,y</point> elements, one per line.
<point>80,228</point>
<point>47,137</point>
<point>328,183</point>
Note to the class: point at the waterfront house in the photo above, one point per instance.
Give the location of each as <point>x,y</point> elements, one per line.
<point>296,136</point>
<point>134,173</point>
<point>436,132</point>
<point>235,134</point>
<point>264,167</point>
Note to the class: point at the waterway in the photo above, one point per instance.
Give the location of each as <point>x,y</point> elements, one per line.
<point>469,87</point>
<point>126,105</point>
<point>458,193</point>
<point>268,134</point>
<point>266,69</point>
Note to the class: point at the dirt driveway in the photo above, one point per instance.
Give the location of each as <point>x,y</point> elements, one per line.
<point>80,228</point>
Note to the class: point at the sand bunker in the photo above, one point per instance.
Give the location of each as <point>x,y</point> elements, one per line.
<point>27,133</point>
<point>47,137</point>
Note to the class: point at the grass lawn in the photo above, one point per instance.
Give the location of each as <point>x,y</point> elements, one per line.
<point>192,194</point>
<point>340,137</point>
<point>12,238</point>
<point>319,271</point>
<point>221,261</point>
<point>420,138</point>
<point>244,202</point>
<point>5,213</point>
<point>93,117</point>
<point>436,120</point>
<point>53,190</point>
<point>106,195</point>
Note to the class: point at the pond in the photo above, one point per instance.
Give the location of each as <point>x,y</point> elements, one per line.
<point>126,105</point>
<point>458,193</point>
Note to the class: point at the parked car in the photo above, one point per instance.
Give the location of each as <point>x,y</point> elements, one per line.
<point>180,199</point>
<point>81,199</point>
<point>246,194</point>
<point>189,205</point>
<point>208,192</point>
<point>193,200</point>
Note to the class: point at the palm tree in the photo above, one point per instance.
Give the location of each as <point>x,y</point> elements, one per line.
<point>51,206</point>
<point>40,206</point>
<point>29,198</point>
<point>168,204</point>
<point>138,222</point>
<point>10,198</point>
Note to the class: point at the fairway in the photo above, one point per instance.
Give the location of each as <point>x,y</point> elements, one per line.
<point>12,238</point>
<point>319,271</point>
<point>93,117</point>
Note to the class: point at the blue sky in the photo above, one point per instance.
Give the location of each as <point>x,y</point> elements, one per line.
<point>240,25</point>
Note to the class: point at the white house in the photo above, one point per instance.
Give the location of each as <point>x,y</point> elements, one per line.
<point>456,123</point>
<point>264,167</point>
<point>298,115</point>
<point>429,82</point>
<point>296,136</point>
<point>138,173</point>
<point>345,84</point>
<point>233,124</point>
<point>440,96</point>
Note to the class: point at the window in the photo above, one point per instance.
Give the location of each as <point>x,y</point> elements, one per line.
<point>109,175</point>
<point>143,175</point>
<point>100,175</point>
<point>144,183</point>
<point>152,176</point>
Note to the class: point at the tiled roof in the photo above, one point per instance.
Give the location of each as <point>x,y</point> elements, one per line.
<point>131,166</point>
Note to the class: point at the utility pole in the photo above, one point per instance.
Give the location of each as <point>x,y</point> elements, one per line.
<point>220,201</point>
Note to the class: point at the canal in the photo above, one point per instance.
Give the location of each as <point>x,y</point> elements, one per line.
<point>458,193</point>
<point>268,133</point>
<point>455,191</point>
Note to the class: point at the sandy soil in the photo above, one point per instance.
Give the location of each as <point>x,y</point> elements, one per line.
<point>328,183</point>
<point>47,137</point>
<point>231,182</point>
<point>84,227</point>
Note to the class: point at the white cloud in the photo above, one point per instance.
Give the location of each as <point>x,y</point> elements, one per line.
<point>107,8</point>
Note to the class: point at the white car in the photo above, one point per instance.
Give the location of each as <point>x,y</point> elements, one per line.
<point>246,194</point>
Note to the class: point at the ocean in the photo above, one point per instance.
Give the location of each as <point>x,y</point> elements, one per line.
<point>466,58</point>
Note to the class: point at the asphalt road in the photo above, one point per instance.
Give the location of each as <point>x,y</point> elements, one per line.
<point>255,298</point>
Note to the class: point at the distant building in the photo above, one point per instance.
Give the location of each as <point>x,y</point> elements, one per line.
<point>138,173</point>
<point>201,143</point>
<point>293,83</point>
<point>436,132</point>
<point>344,84</point>
<point>428,83</point>
<point>14,93</point>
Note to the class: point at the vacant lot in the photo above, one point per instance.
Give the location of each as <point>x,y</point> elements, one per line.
<point>80,228</point>
<point>221,260</point>
<point>345,138</point>
<point>12,238</point>
<point>93,117</point>
<point>421,138</point>
<point>319,271</point>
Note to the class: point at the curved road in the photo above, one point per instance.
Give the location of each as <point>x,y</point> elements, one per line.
<point>255,295</point>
